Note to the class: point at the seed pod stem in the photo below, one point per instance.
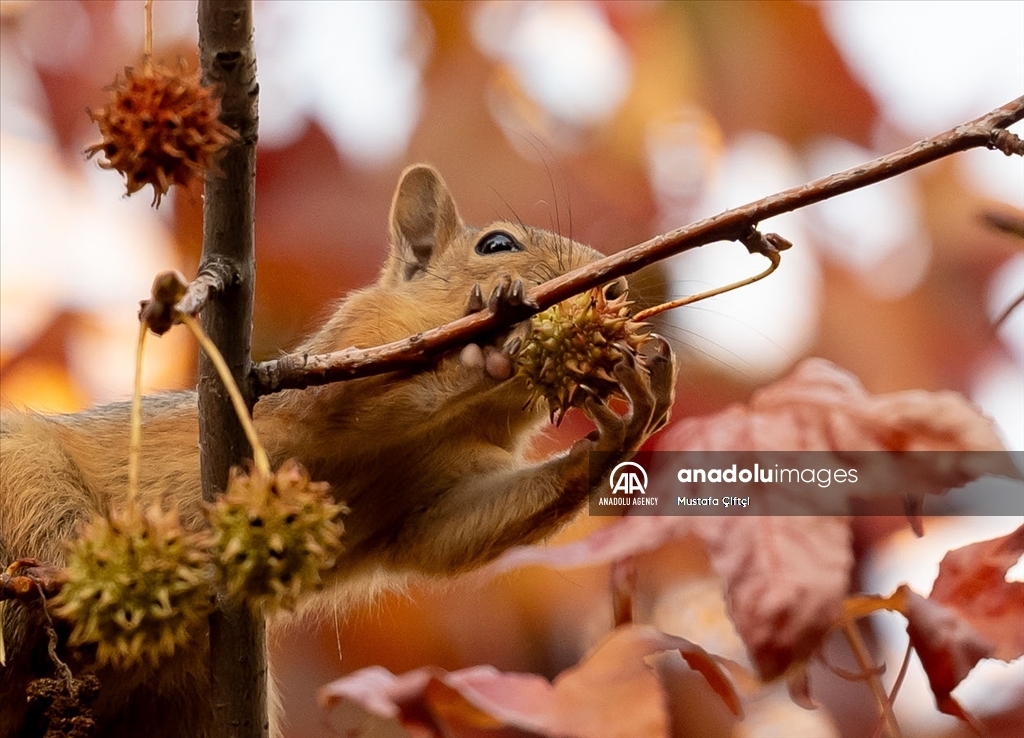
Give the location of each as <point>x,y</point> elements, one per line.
<point>260,458</point>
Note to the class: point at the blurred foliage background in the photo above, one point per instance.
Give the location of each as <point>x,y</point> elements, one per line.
<point>613,121</point>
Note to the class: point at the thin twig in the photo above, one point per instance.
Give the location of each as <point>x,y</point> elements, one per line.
<point>297,371</point>
<point>860,652</point>
<point>26,579</point>
<point>847,674</point>
<point>172,296</point>
<point>1008,142</point>
<point>683,301</point>
<point>1007,312</point>
<point>896,686</point>
<point>51,646</point>
<point>147,49</point>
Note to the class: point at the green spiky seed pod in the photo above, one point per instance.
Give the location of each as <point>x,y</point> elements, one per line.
<point>137,586</point>
<point>573,348</point>
<point>275,536</point>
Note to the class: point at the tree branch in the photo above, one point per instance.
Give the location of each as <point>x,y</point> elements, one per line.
<point>297,371</point>
<point>215,277</point>
<point>238,659</point>
<point>28,580</point>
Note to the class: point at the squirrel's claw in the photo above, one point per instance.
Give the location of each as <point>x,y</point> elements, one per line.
<point>512,345</point>
<point>509,297</point>
<point>657,356</point>
<point>476,300</point>
<point>649,386</point>
<point>518,296</point>
<point>517,293</point>
<point>502,296</point>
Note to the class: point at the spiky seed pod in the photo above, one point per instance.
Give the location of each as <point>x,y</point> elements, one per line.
<point>137,586</point>
<point>573,348</point>
<point>275,536</point>
<point>159,128</point>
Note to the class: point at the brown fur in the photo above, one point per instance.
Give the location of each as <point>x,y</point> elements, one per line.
<point>430,463</point>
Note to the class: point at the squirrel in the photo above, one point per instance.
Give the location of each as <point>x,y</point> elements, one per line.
<point>430,464</point>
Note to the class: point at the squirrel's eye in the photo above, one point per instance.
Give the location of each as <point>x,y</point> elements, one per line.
<point>496,242</point>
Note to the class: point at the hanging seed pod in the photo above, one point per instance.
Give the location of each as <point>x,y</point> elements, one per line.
<point>573,348</point>
<point>275,536</point>
<point>137,585</point>
<point>159,128</point>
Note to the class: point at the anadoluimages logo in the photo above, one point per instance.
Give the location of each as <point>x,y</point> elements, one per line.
<point>628,477</point>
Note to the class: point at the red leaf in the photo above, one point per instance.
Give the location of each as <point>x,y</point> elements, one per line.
<point>948,647</point>
<point>785,580</point>
<point>972,581</point>
<point>972,613</point>
<point>786,576</point>
<point>820,407</point>
<point>612,693</point>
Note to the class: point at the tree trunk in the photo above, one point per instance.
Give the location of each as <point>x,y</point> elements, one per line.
<point>238,657</point>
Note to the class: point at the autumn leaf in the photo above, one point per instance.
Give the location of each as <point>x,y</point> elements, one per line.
<point>786,575</point>
<point>905,445</point>
<point>972,613</point>
<point>612,693</point>
<point>972,581</point>
<point>948,647</point>
<point>820,407</point>
<point>785,580</point>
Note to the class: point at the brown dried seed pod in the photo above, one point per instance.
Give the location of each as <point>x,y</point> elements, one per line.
<point>160,128</point>
<point>573,348</point>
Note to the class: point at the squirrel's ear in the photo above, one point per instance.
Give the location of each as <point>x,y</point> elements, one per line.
<point>423,220</point>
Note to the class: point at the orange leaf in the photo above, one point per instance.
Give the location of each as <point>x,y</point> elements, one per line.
<point>972,582</point>
<point>612,693</point>
<point>786,576</point>
<point>972,613</point>
<point>785,580</point>
<point>820,407</point>
<point>948,648</point>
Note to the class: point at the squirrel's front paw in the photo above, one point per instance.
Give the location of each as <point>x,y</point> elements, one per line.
<point>649,386</point>
<point>508,297</point>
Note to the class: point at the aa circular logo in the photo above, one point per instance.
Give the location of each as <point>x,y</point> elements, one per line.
<point>628,477</point>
